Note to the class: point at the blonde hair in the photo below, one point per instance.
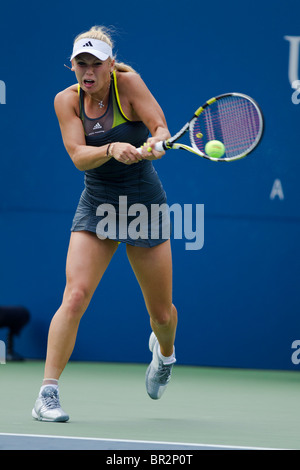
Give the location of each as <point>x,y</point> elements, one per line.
<point>103,34</point>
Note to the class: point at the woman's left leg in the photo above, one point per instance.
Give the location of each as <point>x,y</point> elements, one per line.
<point>153,270</point>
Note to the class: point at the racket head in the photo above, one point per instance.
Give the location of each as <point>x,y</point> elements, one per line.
<point>234,119</point>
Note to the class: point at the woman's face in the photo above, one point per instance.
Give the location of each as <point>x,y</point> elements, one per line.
<point>92,73</point>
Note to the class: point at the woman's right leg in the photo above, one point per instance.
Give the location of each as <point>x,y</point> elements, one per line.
<point>87,260</point>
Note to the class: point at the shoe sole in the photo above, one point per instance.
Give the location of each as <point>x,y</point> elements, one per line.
<point>61,419</point>
<point>152,341</point>
<point>154,397</point>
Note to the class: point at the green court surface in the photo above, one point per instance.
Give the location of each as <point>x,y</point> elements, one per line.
<point>203,406</point>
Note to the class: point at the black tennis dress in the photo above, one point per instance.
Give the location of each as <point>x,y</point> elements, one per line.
<point>126,203</point>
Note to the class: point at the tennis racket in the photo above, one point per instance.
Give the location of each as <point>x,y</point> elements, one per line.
<point>234,119</point>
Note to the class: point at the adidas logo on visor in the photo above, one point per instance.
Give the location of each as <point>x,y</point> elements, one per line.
<point>88,44</point>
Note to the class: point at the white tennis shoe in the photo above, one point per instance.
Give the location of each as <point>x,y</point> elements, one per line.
<point>47,406</point>
<point>158,374</point>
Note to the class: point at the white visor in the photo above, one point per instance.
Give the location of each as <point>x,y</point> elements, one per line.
<point>99,49</point>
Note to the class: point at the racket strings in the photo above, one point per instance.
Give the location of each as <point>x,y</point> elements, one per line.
<point>233,120</point>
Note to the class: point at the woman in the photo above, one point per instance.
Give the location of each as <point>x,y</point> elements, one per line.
<point>103,120</point>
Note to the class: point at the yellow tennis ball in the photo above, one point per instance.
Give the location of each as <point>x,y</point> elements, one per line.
<point>214,149</point>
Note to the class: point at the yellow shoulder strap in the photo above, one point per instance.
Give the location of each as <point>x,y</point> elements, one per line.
<point>118,98</point>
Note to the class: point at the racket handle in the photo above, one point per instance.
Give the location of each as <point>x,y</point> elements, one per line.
<point>159,146</point>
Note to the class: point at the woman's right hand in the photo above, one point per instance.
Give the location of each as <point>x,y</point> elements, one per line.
<point>124,153</point>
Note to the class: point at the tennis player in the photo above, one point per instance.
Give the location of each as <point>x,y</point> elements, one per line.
<point>103,119</point>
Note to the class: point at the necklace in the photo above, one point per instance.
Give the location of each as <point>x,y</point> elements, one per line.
<point>100,102</point>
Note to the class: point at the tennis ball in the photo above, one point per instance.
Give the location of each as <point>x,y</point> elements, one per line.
<point>214,149</point>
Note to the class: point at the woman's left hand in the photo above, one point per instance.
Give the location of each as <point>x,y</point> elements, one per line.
<point>149,152</point>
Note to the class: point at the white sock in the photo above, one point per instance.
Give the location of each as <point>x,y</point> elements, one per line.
<point>167,360</point>
<point>48,382</point>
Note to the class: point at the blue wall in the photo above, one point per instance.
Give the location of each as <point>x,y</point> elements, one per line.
<point>237,297</point>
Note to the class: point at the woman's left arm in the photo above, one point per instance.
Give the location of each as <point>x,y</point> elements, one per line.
<point>140,105</point>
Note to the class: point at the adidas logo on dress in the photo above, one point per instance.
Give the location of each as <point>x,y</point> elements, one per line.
<point>97,126</point>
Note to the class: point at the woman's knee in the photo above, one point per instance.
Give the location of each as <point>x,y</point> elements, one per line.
<point>76,300</point>
<point>162,316</point>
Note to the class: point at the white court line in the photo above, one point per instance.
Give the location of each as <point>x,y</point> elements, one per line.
<point>132,441</point>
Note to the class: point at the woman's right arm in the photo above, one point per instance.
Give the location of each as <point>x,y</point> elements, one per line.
<point>83,156</point>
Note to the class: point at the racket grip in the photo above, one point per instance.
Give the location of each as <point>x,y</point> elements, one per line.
<point>159,146</point>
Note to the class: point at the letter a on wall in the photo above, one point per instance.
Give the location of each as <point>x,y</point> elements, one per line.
<point>277,190</point>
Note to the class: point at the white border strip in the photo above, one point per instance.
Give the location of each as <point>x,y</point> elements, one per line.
<point>102,439</point>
